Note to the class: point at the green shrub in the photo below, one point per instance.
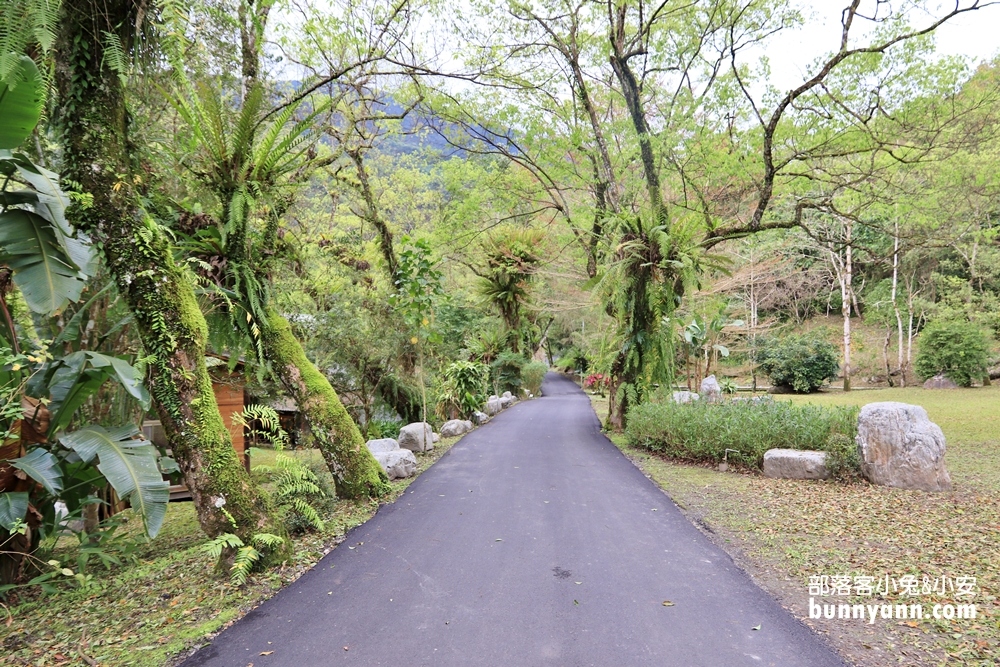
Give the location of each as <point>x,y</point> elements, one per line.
<point>702,432</point>
<point>505,373</point>
<point>803,363</point>
<point>532,375</point>
<point>956,348</point>
<point>382,428</point>
<point>463,389</point>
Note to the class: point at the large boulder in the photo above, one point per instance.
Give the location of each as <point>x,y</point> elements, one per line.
<point>382,445</point>
<point>397,464</point>
<point>493,405</point>
<point>900,446</point>
<point>417,437</point>
<point>795,464</point>
<point>455,428</point>
<point>710,390</point>
<point>684,396</point>
<point>940,381</point>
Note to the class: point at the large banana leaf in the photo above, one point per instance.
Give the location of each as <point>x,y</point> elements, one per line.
<point>13,506</point>
<point>43,467</point>
<point>21,97</point>
<point>51,203</point>
<point>46,276</point>
<point>129,464</point>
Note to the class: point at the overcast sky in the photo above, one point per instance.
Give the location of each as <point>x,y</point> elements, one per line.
<point>975,35</point>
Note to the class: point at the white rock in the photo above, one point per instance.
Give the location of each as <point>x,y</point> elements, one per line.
<point>417,437</point>
<point>901,447</point>
<point>506,402</point>
<point>685,396</point>
<point>710,390</point>
<point>480,417</point>
<point>455,428</point>
<point>506,394</point>
<point>436,437</point>
<point>382,445</point>
<point>397,464</point>
<point>795,464</point>
<point>493,406</point>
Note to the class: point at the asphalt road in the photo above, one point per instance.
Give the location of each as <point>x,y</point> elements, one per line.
<point>534,541</point>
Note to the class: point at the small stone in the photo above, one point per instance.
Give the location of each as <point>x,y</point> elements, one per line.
<point>480,417</point>
<point>455,428</point>
<point>940,381</point>
<point>710,390</point>
<point>795,464</point>
<point>382,445</point>
<point>417,437</point>
<point>397,464</point>
<point>685,396</point>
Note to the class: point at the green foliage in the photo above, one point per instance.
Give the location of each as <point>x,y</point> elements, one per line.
<point>130,464</point>
<point>50,261</point>
<point>245,556</point>
<point>957,348</point>
<point>382,428</point>
<point>463,389</point>
<point>505,373</point>
<point>512,259</point>
<point>22,95</point>
<point>803,363</point>
<point>532,375</point>
<point>703,432</point>
<point>294,486</point>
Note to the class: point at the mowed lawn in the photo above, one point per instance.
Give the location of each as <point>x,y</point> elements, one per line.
<point>783,532</point>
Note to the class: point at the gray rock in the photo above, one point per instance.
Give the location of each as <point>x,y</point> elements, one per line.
<point>480,417</point>
<point>436,437</point>
<point>397,464</point>
<point>506,394</point>
<point>417,437</point>
<point>506,402</point>
<point>710,390</point>
<point>455,428</point>
<point>900,446</point>
<point>493,406</point>
<point>939,381</point>
<point>685,396</point>
<point>382,445</point>
<point>795,464</point>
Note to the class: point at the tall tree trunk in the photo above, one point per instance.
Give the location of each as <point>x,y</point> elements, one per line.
<point>895,305</point>
<point>159,294</point>
<point>846,289</point>
<point>632,92</point>
<point>355,471</point>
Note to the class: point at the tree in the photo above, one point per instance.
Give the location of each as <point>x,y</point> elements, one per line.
<point>98,157</point>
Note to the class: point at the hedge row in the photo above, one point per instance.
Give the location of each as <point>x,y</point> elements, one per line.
<point>701,432</point>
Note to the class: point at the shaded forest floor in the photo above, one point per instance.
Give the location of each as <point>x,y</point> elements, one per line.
<point>166,597</point>
<point>784,531</point>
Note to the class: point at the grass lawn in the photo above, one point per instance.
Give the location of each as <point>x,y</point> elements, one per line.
<point>783,531</point>
<point>166,597</point>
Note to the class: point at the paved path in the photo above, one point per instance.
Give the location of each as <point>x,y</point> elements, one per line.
<point>532,542</point>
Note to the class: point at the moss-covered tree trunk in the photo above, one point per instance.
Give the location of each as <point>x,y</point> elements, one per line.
<point>94,122</point>
<point>356,472</point>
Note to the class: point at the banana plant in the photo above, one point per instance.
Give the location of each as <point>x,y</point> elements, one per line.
<point>50,264</point>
